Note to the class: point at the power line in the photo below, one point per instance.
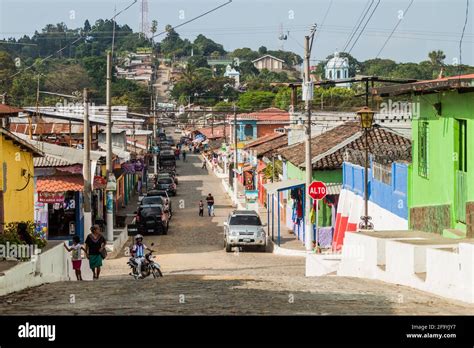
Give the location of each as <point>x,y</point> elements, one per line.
<point>324,18</point>
<point>193,19</point>
<point>67,46</point>
<point>368,20</point>
<point>360,20</point>
<point>395,28</point>
<point>462,37</point>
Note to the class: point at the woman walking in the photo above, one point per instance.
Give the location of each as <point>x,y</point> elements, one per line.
<point>95,248</point>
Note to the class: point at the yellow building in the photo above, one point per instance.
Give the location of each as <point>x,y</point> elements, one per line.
<point>17,186</point>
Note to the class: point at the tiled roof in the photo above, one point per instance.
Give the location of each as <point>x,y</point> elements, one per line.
<point>269,115</point>
<point>6,109</point>
<point>60,183</point>
<point>428,86</point>
<point>268,144</point>
<point>217,132</point>
<point>50,161</point>
<point>327,149</point>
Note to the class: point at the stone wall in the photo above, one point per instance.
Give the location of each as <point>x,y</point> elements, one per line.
<point>470,219</point>
<point>433,219</point>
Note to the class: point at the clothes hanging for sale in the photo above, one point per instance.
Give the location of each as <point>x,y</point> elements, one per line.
<point>312,215</point>
<point>299,209</point>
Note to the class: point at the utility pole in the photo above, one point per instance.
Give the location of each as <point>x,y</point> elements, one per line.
<point>212,122</point>
<point>235,153</point>
<point>87,168</point>
<point>155,155</point>
<point>308,96</point>
<point>111,183</point>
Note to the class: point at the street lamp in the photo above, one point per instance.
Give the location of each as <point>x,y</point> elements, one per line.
<point>366,116</point>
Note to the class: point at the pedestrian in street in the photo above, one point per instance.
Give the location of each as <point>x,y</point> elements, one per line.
<point>210,204</point>
<point>95,250</point>
<point>184,156</point>
<point>76,257</point>
<point>201,208</point>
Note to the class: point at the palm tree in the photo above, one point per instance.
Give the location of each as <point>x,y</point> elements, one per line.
<point>437,58</point>
<point>437,61</point>
<point>153,29</point>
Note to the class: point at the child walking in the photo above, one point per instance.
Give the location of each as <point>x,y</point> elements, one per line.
<point>76,255</point>
<point>201,208</point>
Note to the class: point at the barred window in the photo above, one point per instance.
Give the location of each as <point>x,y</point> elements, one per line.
<point>423,134</point>
<point>382,173</point>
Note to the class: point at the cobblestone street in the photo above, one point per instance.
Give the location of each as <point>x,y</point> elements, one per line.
<point>201,278</point>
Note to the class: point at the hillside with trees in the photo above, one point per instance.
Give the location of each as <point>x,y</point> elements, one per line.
<point>76,59</point>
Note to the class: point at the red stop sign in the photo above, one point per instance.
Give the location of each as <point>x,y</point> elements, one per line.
<point>317,190</point>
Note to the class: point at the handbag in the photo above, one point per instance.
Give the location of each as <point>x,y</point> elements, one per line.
<point>103,253</point>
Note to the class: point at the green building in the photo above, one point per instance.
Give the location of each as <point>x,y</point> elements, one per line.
<point>441,177</point>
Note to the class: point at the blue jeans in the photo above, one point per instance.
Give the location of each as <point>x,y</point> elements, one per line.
<point>210,209</point>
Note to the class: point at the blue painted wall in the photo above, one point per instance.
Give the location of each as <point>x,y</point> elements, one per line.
<point>391,197</point>
<point>241,135</point>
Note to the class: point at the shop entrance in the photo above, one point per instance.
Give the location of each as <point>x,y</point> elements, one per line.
<point>62,217</point>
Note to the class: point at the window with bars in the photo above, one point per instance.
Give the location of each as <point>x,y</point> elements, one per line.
<point>423,134</point>
<point>382,173</point>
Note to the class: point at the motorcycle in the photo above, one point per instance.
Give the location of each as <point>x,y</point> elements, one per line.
<point>148,267</point>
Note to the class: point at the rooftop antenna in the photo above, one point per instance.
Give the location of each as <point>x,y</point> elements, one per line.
<point>282,37</point>
<point>144,24</point>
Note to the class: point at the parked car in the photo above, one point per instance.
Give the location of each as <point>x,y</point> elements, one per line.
<point>163,194</point>
<point>167,184</point>
<point>167,159</point>
<point>150,219</point>
<point>168,174</point>
<point>244,228</point>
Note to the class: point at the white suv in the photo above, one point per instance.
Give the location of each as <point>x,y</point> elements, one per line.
<point>242,228</point>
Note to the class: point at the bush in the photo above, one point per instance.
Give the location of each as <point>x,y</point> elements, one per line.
<point>11,235</point>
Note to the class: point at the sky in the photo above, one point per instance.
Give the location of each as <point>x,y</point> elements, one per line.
<point>426,26</point>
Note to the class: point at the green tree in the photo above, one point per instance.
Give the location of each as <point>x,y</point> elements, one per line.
<point>245,53</point>
<point>7,69</point>
<point>255,100</point>
<point>206,46</point>
<point>262,50</point>
<point>198,62</point>
<point>23,89</point>
<point>378,67</point>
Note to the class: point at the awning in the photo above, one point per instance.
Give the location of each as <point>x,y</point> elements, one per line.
<point>284,185</point>
<point>60,183</point>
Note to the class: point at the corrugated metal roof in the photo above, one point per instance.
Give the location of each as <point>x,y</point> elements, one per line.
<point>50,161</point>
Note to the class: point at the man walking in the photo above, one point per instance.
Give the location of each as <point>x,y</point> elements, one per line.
<point>210,204</point>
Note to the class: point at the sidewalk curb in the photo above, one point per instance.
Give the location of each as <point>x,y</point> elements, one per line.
<point>286,252</point>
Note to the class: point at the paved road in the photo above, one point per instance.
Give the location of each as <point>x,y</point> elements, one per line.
<point>201,278</point>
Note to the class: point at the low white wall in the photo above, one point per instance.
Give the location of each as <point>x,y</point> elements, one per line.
<point>443,269</point>
<point>320,264</point>
<point>49,266</point>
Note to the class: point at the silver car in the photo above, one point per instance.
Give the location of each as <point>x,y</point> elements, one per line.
<point>242,228</point>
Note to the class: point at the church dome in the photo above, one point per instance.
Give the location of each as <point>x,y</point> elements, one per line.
<point>337,62</point>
